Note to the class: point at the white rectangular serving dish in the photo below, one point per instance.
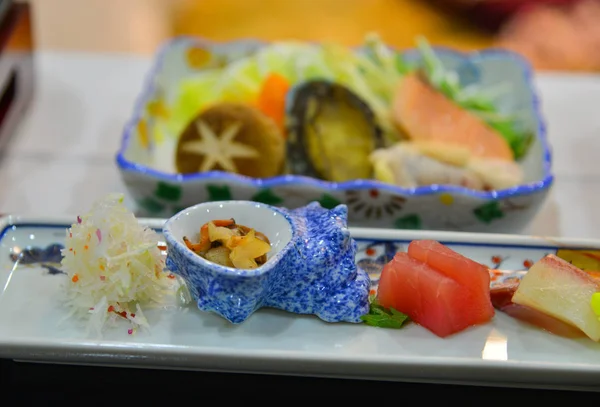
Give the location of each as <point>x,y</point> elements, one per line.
<point>505,352</point>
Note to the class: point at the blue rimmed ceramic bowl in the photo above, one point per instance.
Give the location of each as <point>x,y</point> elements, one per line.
<point>311,268</point>
<point>146,156</point>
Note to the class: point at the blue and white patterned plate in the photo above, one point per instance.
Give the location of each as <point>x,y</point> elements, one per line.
<point>502,352</point>
<point>145,158</point>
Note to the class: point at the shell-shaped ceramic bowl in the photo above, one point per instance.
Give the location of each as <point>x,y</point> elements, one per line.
<point>146,156</point>
<point>311,268</point>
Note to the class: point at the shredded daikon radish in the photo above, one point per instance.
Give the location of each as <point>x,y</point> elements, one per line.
<point>114,266</point>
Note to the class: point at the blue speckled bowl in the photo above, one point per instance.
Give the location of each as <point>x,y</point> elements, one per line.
<point>145,158</point>
<point>311,268</point>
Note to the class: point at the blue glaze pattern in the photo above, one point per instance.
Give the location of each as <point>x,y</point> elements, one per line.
<point>315,273</point>
<point>48,257</point>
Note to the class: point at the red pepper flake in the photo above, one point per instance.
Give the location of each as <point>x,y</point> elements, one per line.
<point>171,276</point>
<point>91,309</point>
<point>85,247</point>
<point>121,313</point>
<point>99,235</point>
<point>70,249</point>
<point>75,278</point>
<point>370,251</point>
<point>372,292</point>
<point>101,267</point>
<point>162,247</point>
<point>132,315</point>
<point>496,259</point>
<point>130,331</point>
<point>70,234</point>
<point>102,278</point>
<point>373,193</point>
<point>528,263</point>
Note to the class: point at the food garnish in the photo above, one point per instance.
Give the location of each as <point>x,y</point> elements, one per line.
<point>114,267</point>
<point>595,304</point>
<point>382,317</point>
<point>229,244</point>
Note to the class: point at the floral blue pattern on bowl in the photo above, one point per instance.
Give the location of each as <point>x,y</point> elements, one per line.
<point>145,158</point>
<point>311,268</point>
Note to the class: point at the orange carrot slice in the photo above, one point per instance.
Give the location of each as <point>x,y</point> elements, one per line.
<point>271,99</point>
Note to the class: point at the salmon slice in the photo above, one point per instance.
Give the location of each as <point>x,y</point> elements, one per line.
<point>427,115</point>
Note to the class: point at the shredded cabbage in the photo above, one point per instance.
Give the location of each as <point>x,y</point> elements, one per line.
<point>114,267</point>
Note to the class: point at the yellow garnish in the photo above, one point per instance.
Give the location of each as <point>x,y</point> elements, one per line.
<point>595,303</point>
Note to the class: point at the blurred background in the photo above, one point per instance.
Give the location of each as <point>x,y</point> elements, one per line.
<point>91,57</point>
<point>552,34</point>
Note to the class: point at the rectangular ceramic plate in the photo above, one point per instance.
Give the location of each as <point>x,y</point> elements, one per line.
<point>504,352</point>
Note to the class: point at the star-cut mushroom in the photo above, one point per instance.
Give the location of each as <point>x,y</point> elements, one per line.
<point>232,137</point>
<point>219,149</point>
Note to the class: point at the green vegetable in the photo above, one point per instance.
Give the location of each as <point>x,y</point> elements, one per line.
<point>595,304</point>
<point>382,317</point>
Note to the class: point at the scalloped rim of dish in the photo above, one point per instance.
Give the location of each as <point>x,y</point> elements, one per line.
<point>230,271</point>
<point>286,180</point>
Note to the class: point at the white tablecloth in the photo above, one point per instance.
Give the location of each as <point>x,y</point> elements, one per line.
<point>62,156</point>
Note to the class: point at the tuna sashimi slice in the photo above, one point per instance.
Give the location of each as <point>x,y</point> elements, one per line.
<point>452,264</point>
<point>430,298</point>
<point>472,275</point>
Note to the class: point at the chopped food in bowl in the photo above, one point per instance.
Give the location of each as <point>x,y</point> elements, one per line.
<point>425,138</point>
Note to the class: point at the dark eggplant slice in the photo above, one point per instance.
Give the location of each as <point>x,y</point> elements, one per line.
<point>331,132</point>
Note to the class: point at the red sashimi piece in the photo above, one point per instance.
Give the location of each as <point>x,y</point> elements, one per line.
<point>466,272</point>
<point>452,264</point>
<point>428,297</point>
<point>502,299</point>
